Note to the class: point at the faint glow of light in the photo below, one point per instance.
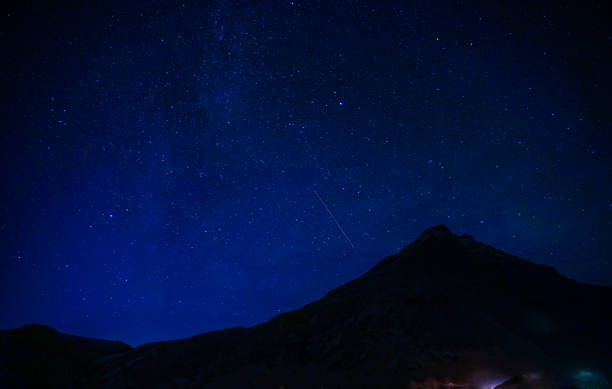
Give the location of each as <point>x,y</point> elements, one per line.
<point>586,379</point>
<point>488,379</point>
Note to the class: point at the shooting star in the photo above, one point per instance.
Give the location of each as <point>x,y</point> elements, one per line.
<point>334,219</point>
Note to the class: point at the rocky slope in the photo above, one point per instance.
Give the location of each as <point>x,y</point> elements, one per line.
<point>446,310</point>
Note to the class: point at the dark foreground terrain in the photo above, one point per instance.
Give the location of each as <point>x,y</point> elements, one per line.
<point>445,311</point>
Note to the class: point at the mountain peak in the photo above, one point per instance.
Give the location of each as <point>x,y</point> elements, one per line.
<point>437,232</point>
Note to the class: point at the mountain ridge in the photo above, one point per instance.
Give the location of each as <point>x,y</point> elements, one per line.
<point>446,308</point>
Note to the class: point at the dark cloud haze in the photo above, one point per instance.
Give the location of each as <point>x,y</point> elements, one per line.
<point>160,159</point>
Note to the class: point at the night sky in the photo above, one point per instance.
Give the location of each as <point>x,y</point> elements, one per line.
<point>160,161</point>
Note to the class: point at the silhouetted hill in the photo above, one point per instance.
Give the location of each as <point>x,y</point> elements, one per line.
<point>40,357</point>
<point>446,309</point>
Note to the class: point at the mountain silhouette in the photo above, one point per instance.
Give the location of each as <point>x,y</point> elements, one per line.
<point>37,356</point>
<point>444,311</point>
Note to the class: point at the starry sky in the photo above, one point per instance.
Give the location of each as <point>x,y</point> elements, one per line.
<point>160,161</point>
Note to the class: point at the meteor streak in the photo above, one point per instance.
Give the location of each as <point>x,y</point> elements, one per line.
<point>334,219</point>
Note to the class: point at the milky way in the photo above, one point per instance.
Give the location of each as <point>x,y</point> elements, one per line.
<point>159,158</point>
